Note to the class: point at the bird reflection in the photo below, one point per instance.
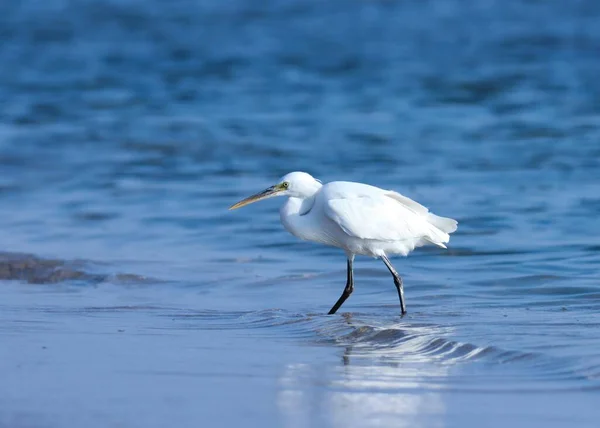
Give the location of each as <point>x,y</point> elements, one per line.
<point>390,375</point>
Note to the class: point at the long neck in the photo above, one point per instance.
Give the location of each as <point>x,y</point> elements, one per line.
<point>296,211</point>
<point>295,214</point>
<point>297,206</point>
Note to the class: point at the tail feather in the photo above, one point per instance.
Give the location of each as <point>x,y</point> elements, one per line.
<point>445,224</point>
<point>440,230</point>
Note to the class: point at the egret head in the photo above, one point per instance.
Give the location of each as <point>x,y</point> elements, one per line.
<point>295,184</point>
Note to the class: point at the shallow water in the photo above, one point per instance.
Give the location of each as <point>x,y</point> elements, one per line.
<point>129,296</point>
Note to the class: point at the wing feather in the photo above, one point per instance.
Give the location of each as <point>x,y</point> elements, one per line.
<point>414,206</point>
<point>376,217</point>
<point>368,212</point>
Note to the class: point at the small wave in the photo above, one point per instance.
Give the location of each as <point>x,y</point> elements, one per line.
<point>406,340</point>
<point>387,342</point>
<point>420,342</point>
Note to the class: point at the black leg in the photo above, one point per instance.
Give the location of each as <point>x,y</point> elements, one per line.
<point>397,282</point>
<point>347,291</point>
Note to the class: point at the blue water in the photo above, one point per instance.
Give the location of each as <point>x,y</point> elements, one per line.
<point>131,297</point>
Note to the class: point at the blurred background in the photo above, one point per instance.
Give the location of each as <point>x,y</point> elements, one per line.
<point>130,296</point>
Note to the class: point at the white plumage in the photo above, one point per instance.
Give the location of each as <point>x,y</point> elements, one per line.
<point>358,218</point>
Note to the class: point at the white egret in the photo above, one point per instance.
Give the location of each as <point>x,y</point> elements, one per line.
<point>358,218</point>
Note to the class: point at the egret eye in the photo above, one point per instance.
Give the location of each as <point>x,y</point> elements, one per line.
<point>285,184</point>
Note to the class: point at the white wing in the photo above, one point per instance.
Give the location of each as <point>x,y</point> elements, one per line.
<point>367,212</point>
<point>445,224</point>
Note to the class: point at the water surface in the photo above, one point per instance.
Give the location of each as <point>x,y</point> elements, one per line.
<point>129,296</point>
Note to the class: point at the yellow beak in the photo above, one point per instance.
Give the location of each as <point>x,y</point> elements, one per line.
<point>267,193</point>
